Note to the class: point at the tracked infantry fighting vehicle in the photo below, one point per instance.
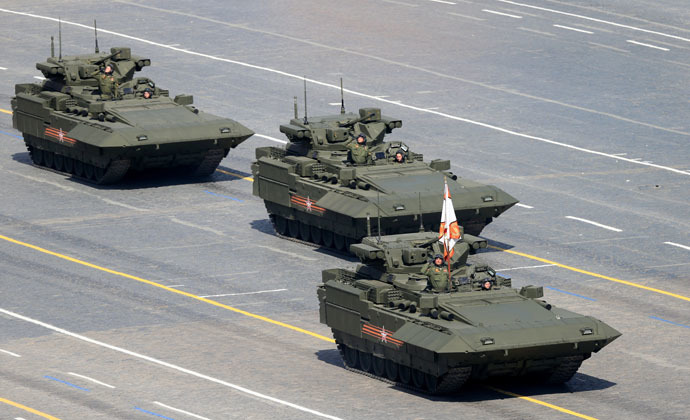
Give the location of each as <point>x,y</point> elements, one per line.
<point>314,190</point>
<point>92,118</point>
<point>387,322</point>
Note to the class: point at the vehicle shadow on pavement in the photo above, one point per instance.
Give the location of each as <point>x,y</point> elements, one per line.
<point>495,389</point>
<point>149,178</point>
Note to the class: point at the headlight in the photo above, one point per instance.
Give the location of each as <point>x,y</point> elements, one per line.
<point>225,130</point>
<point>586,331</point>
<point>487,340</point>
<point>142,138</point>
<point>487,198</point>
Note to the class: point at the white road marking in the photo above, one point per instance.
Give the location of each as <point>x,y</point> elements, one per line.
<point>594,223</point>
<point>334,103</point>
<point>3,68</point>
<point>175,285</point>
<point>400,104</point>
<point>382,96</point>
<point>91,379</point>
<point>10,353</point>
<point>196,416</point>
<point>401,3</point>
<point>443,1</point>
<point>465,16</point>
<point>678,245</point>
<point>245,293</point>
<point>168,365</point>
<point>522,28</point>
<point>619,25</point>
<point>647,45</point>
<point>263,136</point>
<point>608,47</point>
<point>524,206</point>
<point>502,14</point>
<point>292,254</point>
<point>192,225</point>
<point>521,268</point>
<point>619,154</point>
<point>432,108</point>
<point>39,78</point>
<point>573,29</point>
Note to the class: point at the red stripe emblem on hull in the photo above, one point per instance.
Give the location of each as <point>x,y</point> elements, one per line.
<point>59,135</point>
<point>307,204</point>
<point>381,333</point>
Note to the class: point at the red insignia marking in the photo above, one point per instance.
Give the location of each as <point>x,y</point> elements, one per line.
<point>307,204</point>
<point>59,135</point>
<point>381,333</point>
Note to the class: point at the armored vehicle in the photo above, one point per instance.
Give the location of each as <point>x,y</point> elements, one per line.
<point>314,190</point>
<point>92,118</point>
<point>388,322</point>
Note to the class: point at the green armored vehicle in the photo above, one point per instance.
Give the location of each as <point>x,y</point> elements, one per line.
<point>388,320</point>
<point>93,119</point>
<point>331,187</point>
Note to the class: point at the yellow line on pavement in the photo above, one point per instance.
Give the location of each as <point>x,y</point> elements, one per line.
<point>6,111</point>
<point>29,409</point>
<point>169,289</point>
<point>545,404</point>
<point>589,273</point>
<point>246,178</point>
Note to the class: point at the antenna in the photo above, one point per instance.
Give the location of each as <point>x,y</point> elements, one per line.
<point>95,35</point>
<point>342,98</point>
<point>421,217</point>
<point>60,38</point>
<point>52,47</point>
<point>305,100</point>
<point>368,225</point>
<point>295,106</point>
<point>378,211</point>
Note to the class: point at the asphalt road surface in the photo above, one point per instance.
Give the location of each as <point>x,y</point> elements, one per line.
<point>171,298</point>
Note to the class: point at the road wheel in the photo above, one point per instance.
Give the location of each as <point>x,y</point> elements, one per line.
<point>78,167</point>
<point>351,357</point>
<point>279,224</point>
<point>89,170</point>
<point>379,366</point>
<point>431,383</point>
<point>316,234</point>
<point>293,228</point>
<point>339,242</point>
<point>327,238</point>
<point>98,174</point>
<point>391,370</point>
<point>69,165</point>
<point>418,379</point>
<point>49,159</point>
<point>405,374</point>
<point>37,156</point>
<point>59,162</point>
<point>365,361</point>
<point>304,231</point>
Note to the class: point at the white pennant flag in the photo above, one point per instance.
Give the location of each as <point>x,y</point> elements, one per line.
<point>449,232</point>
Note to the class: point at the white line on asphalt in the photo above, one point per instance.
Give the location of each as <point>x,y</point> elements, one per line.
<point>443,1</point>
<point>91,379</point>
<point>334,103</point>
<point>573,29</point>
<point>619,154</point>
<point>39,78</point>
<point>195,226</point>
<point>19,418</point>
<point>596,44</point>
<point>10,353</point>
<point>263,136</point>
<point>352,92</point>
<point>245,293</point>
<point>3,68</point>
<point>530,266</point>
<point>432,108</point>
<point>678,245</point>
<point>196,416</point>
<point>522,28</point>
<point>401,3</point>
<point>175,285</point>
<point>634,28</point>
<point>502,14</point>
<point>648,45</point>
<point>524,205</point>
<point>168,365</point>
<point>594,223</point>
<point>465,16</point>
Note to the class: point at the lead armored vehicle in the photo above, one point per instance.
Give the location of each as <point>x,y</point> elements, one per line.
<point>388,323</point>
<point>92,118</point>
<point>314,191</point>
